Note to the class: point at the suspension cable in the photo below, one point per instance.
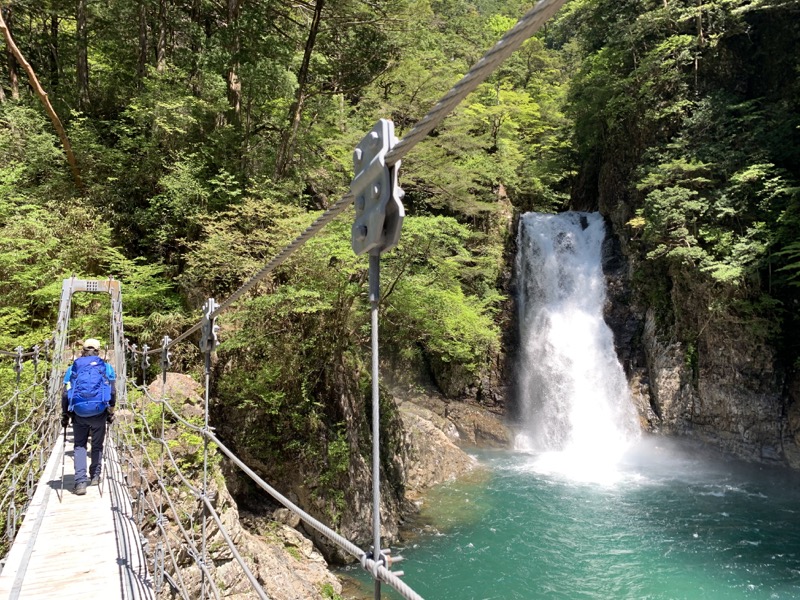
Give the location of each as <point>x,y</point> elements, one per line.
<point>511,41</point>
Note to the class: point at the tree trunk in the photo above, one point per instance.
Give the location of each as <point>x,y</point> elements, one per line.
<point>141,62</point>
<point>196,47</point>
<point>53,54</point>
<point>161,47</point>
<point>83,56</point>
<point>234,46</point>
<point>700,43</point>
<point>37,87</point>
<point>286,148</point>
<point>13,76</point>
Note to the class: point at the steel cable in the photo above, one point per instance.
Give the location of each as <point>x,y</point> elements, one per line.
<point>511,41</point>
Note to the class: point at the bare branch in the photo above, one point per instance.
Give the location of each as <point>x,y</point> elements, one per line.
<point>37,87</point>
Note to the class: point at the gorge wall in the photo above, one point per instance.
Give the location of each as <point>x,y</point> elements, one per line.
<point>727,387</point>
<point>692,158</point>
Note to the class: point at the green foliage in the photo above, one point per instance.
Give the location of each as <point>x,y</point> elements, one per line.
<point>327,591</point>
<point>45,238</point>
<point>440,299</point>
<point>704,163</point>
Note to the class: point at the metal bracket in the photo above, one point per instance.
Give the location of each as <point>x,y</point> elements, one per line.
<point>158,560</point>
<point>132,356</point>
<point>208,338</point>
<point>166,355</point>
<point>378,197</point>
<point>18,362</point>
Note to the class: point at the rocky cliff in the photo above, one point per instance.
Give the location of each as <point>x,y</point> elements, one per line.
<point>701,372</point>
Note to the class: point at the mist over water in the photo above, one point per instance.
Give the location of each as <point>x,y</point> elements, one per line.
<point>585,506</point>
<point>574,403</point>
<point>678,523</point>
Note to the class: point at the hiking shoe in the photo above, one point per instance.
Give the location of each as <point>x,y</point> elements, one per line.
<point>95,480</point>
<point>80,488</point>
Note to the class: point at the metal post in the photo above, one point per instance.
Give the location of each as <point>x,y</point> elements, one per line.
<point>205,465</point>
<point>208,342</point>
<point>374,298</point>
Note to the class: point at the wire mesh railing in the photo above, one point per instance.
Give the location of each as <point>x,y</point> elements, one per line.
<point>174,500</point>
<point>27,431</point>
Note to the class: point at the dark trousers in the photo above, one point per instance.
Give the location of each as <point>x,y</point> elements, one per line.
<point>82,428</point>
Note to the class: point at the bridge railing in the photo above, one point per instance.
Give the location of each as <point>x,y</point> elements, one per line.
<point>28,431</point>
<point>169,454</point>
<point>30,409</point>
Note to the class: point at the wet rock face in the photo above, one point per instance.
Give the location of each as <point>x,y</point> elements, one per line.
<point>724,388</point>
<point>430,455</point>
<point>435,431</point>
<point>626,320</point>
<point>740,394</point>
<point>791,438</point>
<point>728,393</point>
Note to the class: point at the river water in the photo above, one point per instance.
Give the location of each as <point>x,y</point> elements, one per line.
<point>675,523</point>
<point>584,506</point>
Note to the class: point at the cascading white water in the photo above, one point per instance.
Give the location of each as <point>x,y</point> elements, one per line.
<point>576,409</point>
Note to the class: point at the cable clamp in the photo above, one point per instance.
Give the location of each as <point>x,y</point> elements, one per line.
<point>166,355</point>
<point>389,560</point>
<point>378,197</point>
<point>210,329</point>
<point>18,361</point>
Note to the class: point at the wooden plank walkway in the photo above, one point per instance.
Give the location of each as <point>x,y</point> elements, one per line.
<point>81,546</point>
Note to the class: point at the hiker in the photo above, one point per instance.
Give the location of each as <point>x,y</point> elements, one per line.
<point>88,398</point>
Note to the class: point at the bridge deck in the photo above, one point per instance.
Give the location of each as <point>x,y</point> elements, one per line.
<point>79,547</point>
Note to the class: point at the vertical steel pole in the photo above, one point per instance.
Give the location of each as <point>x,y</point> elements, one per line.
<point>374,298</point>
<point>204,531</point>
<point>208,342</point>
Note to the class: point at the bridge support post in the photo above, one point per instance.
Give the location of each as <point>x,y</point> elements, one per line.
<point>374,299</point>
<point>379,218</point>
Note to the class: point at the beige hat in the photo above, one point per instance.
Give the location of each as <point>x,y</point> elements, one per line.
<point>91,343</point>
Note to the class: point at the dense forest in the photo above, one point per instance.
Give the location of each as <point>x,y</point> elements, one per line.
<point>205,135</point>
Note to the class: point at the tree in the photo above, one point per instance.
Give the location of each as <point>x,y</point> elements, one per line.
<point>286,147</point>
<point>82,64</point>
<point>11,61</point>
<point>44,100</point>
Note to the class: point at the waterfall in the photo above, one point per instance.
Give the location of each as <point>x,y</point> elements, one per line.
<point>575,406</point>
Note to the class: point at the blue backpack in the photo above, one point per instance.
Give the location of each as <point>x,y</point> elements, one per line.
<point>90,389</point>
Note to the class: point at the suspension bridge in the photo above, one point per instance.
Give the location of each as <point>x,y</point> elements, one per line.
<point>153,527</point>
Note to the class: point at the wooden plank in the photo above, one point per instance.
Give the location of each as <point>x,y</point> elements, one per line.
<point>81,545</point>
